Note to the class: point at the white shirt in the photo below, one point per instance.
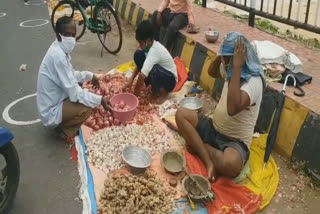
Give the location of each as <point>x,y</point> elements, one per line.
<point>241,125</point>
<point>158,54</point>
<point>58,81</point>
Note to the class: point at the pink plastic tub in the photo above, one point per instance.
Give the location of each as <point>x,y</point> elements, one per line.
<point>130,100</point>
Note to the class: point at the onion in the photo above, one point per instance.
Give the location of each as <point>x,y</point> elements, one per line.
<point>106,123</point>
<point>100,123</point>
<point>116,122</point>
<point>96,127</point>
<point>101,111</point>
<point>122,104</point>
<point>89,123</point>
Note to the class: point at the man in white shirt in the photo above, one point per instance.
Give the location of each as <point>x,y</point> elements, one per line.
<point>222,142</point>
<point>154,65</point>
<point>62,103</point>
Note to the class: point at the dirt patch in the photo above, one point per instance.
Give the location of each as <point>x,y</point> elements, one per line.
<point>296,193</point>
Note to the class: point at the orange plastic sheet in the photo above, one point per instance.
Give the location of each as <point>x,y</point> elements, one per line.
<point>182,74</point>
<point>99,176</point>
<point>229,197</point>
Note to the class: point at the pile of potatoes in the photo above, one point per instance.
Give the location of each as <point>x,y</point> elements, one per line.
<point>130,194</point>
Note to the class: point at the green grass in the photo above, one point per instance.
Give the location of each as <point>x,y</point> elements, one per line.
<point>198,2</point>
<point>267,26</point>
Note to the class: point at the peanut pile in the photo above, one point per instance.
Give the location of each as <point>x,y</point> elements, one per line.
<point>130,194</point>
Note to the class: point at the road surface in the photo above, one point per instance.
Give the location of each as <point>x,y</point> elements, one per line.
<point>49,181</point>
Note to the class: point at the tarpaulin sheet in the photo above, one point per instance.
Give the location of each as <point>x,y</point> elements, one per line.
<point>229,197</point>
<point>264,182</point>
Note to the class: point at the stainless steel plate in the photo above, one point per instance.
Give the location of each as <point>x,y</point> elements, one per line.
<point>192,103</point>
<point>136,157</point>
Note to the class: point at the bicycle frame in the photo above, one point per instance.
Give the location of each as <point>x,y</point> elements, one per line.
<point>89,23</point>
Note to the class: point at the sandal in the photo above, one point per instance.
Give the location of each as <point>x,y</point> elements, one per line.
<point>193,29</point>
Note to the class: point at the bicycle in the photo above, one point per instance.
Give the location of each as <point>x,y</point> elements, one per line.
<point>102,21</point>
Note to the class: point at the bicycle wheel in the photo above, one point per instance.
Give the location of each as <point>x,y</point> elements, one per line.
<point>69,8</point>
<point>109,28</point>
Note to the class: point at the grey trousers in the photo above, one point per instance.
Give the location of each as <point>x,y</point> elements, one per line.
<point>171,24</point>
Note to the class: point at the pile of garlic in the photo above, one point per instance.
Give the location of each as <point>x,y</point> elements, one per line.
<point>167,106</point>
<point>104,148</point>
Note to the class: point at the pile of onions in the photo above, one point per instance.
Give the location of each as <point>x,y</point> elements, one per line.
<point>146,109</point>
<point>100,119</point>
<point>121,106</point>
<point>111,85</point>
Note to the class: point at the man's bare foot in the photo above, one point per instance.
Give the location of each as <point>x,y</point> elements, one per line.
<point>191,151</point>
<point>211,172</point>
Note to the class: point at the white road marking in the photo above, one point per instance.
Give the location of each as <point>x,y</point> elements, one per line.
<point>8,119</point>
<point>22,24</point>
<point>35,3</point>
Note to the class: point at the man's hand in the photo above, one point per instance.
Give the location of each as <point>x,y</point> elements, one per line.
<point>95,82</point>
<point>105,104</point>
<point>139,84</point>
<point>237,99</point>
<point>127,86</point>
<point>240,54</point>
<point>159,18</point>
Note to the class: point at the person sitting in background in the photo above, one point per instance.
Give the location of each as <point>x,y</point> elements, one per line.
<point>222,142</point>
<point>174,15</point>
<point>154,65</point>
<point>62,104</point>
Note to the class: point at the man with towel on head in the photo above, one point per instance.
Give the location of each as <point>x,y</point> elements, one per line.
<point>222,141</point>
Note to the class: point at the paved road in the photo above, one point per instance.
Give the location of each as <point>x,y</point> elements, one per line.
<point>49,179</point>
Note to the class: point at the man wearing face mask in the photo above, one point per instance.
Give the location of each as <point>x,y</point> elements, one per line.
<point>222,141</point>
<point>62,104</point>
<point>154,65</point>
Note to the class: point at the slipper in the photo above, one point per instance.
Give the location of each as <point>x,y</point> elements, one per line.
<point>193,29</point>
<point>64,136</point>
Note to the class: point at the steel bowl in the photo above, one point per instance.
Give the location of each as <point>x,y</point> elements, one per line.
<point>212,36</point>
<point>137,159</point>
<point>172,161</point>
<point>191,189</point>
<point>192,103</point>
